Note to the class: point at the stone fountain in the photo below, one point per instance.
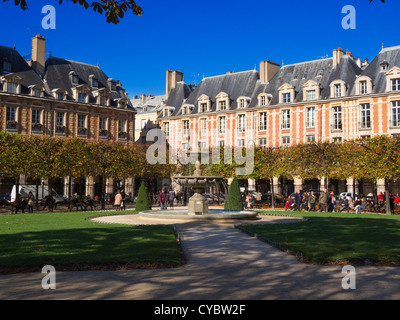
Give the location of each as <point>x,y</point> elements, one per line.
<point>198,204</point>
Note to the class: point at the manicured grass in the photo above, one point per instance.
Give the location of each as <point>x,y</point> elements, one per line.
<point>338,237</point>
<point>69,239</point>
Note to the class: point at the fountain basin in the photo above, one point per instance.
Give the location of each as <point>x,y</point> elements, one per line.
<point>212,214</point>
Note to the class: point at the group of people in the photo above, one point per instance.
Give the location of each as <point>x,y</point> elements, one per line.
<point>120,200</point>
<point>23,203</point>
<point>307,201</point>
<point>168,197</point>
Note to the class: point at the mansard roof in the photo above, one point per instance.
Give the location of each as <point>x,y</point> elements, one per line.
<point>57,75</point>
<point>19,67</point>
<point>391,56</point>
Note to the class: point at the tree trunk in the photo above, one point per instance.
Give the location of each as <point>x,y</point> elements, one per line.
<point>272,194</point>
<point>387,197</point>
<point>103,193</point>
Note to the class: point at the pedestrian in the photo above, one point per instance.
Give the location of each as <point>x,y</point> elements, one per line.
<point>297,201</point>
<point>323,199</point>
<point>304,202</point>
<point>76,203</point>
<point>351,203</point>
<point>163,198</point>
<point>117,201</point>
<point>171,198</point>
<point>332,202</point>
<point>312,200</point>
<point>31,201</point>
<point>18,202</point>
<point>123,195</point>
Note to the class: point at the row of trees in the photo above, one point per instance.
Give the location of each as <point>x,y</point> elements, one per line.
<point>41,157</point>
<point>373,159</point>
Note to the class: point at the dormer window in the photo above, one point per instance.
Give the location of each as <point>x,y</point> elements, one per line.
<point>186,109</point>
<point>363,85</point>
<point>36,91</point>
<point>243,102</point>
<point>74,78</point>
<point>222,101</point>
<point>393,79</point>
<point>59,94</point>
<point>11,83</point>
<point>93,81</point>
<point>384,66</point>
<point>338,89</point>
<point>286,93</point>
<point>81,93</point>
<point>395,84</point>
<point>311,90</point>
<point>112,84</point>
<point>204,103</point>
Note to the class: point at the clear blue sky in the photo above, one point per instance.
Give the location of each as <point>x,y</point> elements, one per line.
<point>208,37</point>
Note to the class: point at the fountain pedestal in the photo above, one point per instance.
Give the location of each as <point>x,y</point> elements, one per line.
<point>197,205</point>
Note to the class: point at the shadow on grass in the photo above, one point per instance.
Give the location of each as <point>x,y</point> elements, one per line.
<point>91,246</point>
<point>330,239</point>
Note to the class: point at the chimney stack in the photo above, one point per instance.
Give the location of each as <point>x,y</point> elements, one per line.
<point>173,77</point>
<point>39,53</point>
<point>337,56</point>
<point>268,70</point>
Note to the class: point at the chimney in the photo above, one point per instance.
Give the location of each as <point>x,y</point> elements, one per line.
<point>39,53</point>
<point>173,77</point>
<point>337,56</point>
<point>143,99</point>
<point>268,70</point>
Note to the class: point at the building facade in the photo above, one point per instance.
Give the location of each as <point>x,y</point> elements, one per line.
<point>62,98</point>
<point>332,99</point>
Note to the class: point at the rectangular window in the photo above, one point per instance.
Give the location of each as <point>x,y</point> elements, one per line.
<point>221,125</point>
<point>102,123</point>
<point>241,142</point>
<point>11,114</point>
<point>11,87</point>
<point>365,116</point>
<point>38,93</point>
<point>59,118</point>
<point>263,100</point>
<point>60,96</point>
<point>241,103</point>
<point>221,143</point>
<point>242,123</point>
<point>395,113</point>
<point>262,142</point>
<point>75,79</point>
<point>285,141</point>
<point>338,90</point>
<point>82,97</point>
<point>36,116</point>
<point>121,125</point>
<point>395,84</point>
<point>285,119</point>
<point>186,127</point>
<point>203,127</point>
<point>311,95</point>
<point>6,66</point>
<point>363,87</point>
<point>222,105</point>
<point>203,107</point>
<point>337,139</point>
<point>262,121</point>
<point>337,118</point>
<point>103,101</point>
<point>311,138</point>
<point>286,97</point>
<point>166,129</point>
<point>81,121</point>
<point>310,114</point>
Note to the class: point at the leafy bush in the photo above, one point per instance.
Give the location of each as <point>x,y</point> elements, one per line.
<point>234,198</point>
<point>143,202</point>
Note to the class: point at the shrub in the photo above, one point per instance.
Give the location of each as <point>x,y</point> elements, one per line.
<point>143,202</point>
<point>234,199</point>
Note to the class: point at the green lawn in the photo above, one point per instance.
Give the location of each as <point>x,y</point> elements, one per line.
<point>338,237</point>
<point>65,239</point>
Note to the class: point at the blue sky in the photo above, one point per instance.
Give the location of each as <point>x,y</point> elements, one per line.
<point>209,37</point>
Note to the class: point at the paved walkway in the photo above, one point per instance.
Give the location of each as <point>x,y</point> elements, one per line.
<point>223,264</point>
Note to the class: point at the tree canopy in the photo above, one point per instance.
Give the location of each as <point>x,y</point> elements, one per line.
<point>113,10</point>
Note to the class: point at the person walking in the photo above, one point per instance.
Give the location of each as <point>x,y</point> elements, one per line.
<point>163,198</point>
<point>332,202</point>
<point>117,201</point>
<point>123,199</point>
<point>171,198</point>
<point>323,199</point>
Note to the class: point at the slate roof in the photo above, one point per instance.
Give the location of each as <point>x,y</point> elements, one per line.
<point>391,56</point>
<point>19,67</point>
<point>57,76</point>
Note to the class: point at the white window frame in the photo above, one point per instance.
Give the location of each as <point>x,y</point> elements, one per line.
<point>262,121</point>
<point>285,123</point>
<point>310,117</point>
